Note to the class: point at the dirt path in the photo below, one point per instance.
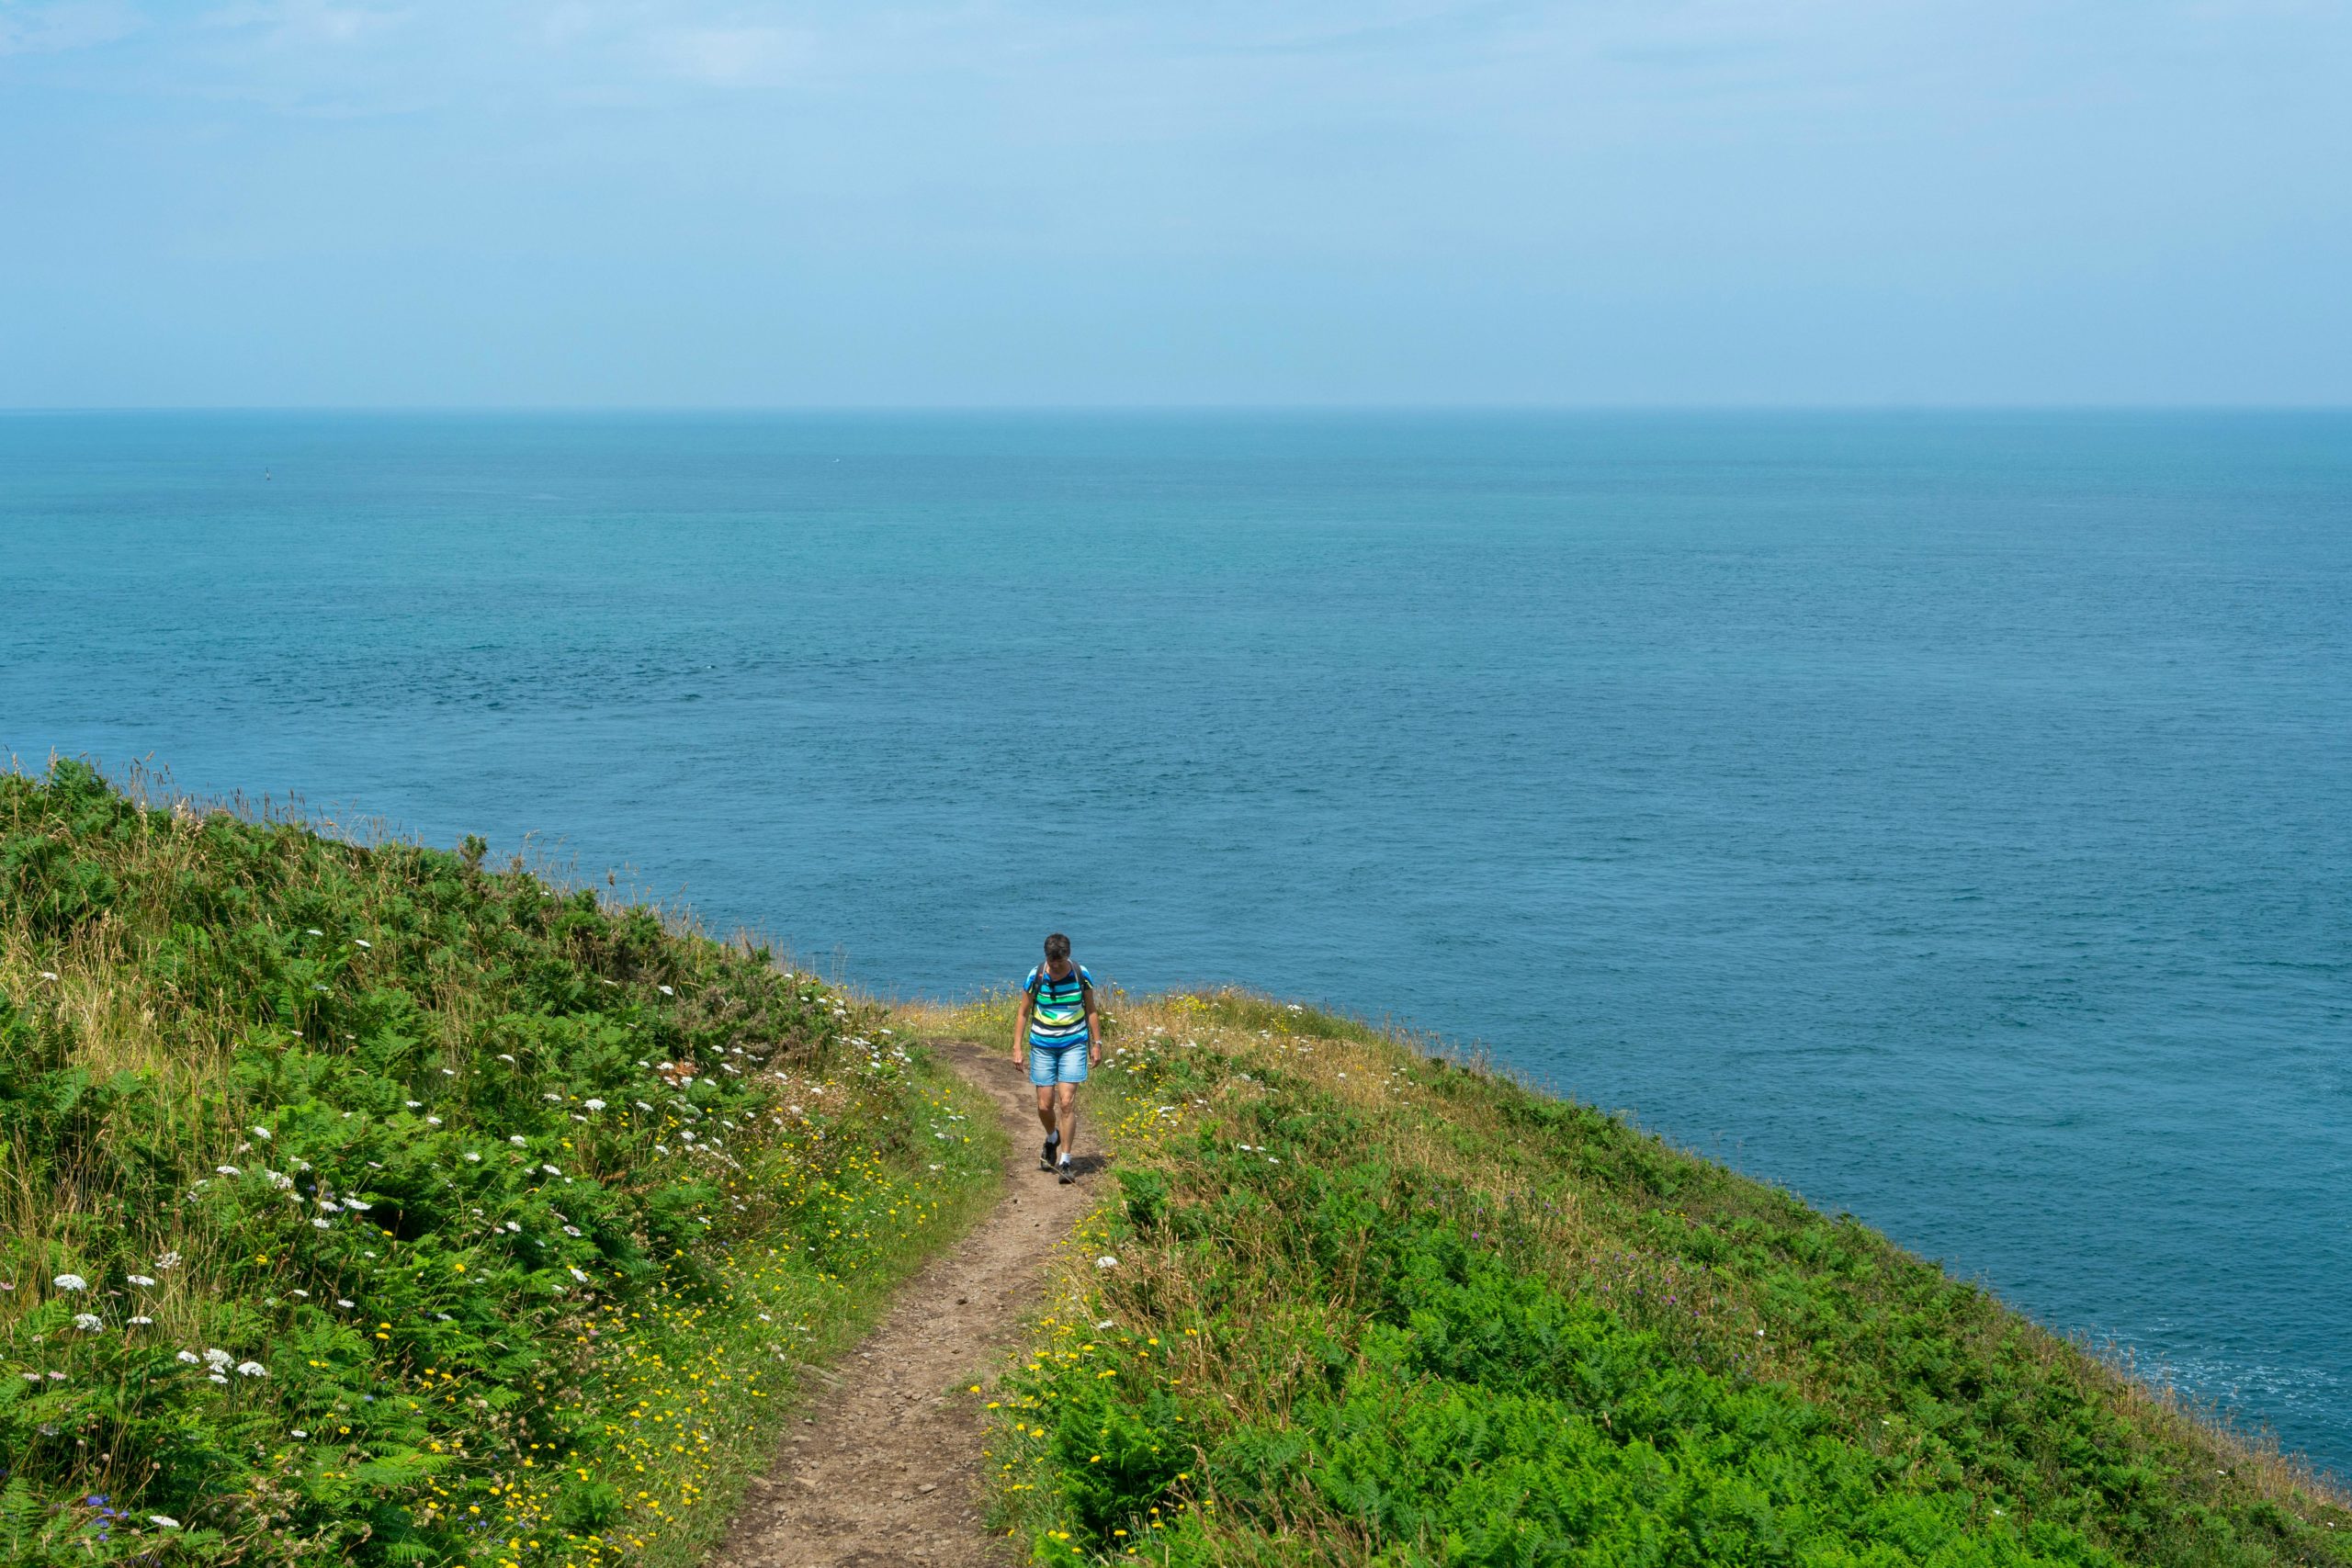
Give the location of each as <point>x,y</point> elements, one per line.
<point>883,1467</point>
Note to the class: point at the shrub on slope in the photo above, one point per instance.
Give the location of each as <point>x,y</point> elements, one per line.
<point>1358,1305</point>
<point>365,1205</point>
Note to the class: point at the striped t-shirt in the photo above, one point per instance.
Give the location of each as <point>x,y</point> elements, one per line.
<point>1058,1007</point>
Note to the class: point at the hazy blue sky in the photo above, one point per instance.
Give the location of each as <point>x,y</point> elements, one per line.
<point>1654,201</point>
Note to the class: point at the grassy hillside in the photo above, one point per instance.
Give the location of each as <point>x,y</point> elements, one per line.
<point>366,1205</point>
<point>369,1205</point>
<point>1355,1305</point>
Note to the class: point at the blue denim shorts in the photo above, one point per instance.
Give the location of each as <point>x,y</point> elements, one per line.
<point>1058,1064</point>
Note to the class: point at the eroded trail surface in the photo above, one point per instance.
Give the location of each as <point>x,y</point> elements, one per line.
<point>882,1466</point>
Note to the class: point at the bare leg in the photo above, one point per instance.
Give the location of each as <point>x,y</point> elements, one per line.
<point>1045,1108</point>
<point>1067,1093</point>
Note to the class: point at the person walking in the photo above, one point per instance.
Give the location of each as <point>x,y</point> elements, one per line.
<point>1061,1031</point>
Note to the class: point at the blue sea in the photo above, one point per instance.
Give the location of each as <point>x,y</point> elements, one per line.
<point>1947,816</point>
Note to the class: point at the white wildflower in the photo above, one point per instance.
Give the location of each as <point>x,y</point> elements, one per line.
<point>1106,1261</point>
<point>298,1432</point>
<point>252,1369</point>
<point>412,1104</point>
<point>473,1156</point>
<point>221,1378</point>
<point>72,1283</point>
<point>580,1274</point>
<point>264,1134</point>
<point>355,1206</point>
<point>572,1230</point>
<point>505,1057</point>
<point>88,1322</point>
<point>143,1320</point>
<point>362,941</point>
<point>518,1140</point>
<point>665,990</point>
<point>550,1170</point>
<point>593,1104</point>
<point>552,1099</point>
<point>48,973</point>
<point>341,1302</point>
<point>218,1358</point>
<point>141,1280</point>
<point>227,1170</point>
<point>164,1521</point>
<point>321,1225</point>
<point>190,1357</point>
<point>315,931</point>
<point>433,1121</point>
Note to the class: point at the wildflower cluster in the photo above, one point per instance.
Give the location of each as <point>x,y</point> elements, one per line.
<point>380,1208</point>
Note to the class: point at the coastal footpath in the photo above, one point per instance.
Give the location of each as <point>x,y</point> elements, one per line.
<point>371,1204</point>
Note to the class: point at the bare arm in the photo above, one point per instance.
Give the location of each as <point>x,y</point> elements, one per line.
<point>1094,1030</point>
<point>1020,1030</point>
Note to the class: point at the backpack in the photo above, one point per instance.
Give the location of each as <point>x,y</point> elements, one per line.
<point>1038,977</point>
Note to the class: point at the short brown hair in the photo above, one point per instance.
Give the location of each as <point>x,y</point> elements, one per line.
<point>1057,949</point>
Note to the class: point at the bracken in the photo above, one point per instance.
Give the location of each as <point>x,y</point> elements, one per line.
<point>384,1131</point>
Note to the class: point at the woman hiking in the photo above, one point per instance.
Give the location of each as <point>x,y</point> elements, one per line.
<point>1061,1033</point>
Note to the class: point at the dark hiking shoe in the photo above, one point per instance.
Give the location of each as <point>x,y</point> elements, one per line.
<point>1068,1171</point>
<point>1046,1160</point>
